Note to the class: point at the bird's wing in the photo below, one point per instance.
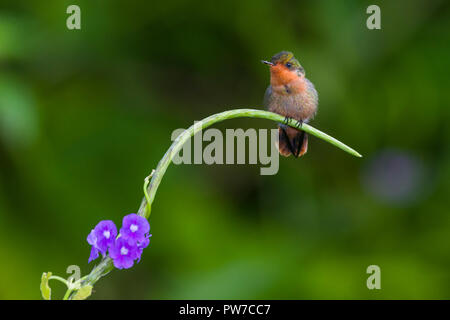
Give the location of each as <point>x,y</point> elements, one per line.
<point>267,97</point>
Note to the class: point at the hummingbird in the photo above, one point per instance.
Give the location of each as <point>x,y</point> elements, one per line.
<point>292,95</point>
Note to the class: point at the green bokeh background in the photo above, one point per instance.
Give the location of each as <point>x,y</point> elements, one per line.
<point>85,115</point>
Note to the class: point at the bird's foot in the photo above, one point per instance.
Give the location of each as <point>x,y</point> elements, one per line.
<point>298,123</point>
<point>288,120</point>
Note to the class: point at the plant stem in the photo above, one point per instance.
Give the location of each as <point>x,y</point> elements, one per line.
<point>67,295</point>
<point>237,113</point>
<point>106,265</point>
<point>59,279</point>
<point>102,269</point>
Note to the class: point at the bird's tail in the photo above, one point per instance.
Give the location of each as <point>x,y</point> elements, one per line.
<point>292,141</point>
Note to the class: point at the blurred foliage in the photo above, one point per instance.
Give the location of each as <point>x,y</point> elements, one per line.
<point>85,115</point>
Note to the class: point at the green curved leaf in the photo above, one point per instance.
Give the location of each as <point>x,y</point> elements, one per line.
<point>45,288</point>
<point>83,293</point>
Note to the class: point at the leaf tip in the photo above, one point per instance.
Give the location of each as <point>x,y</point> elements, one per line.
<point>45,288</point>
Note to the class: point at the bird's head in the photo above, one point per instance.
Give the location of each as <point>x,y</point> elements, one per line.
<point>284,68</point>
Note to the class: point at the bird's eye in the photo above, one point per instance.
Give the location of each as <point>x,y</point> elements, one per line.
<point>288,65</point>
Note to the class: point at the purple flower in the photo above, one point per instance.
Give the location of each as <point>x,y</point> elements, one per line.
<point>135,228</point>
<point>123,253</point>
<point>101,238</point>
<point>92,240</point>
<point>141,245</point>
<point>106,233</point>
<point>134,238</point>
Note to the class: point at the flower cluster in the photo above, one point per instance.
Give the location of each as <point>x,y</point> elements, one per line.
<point>127,247</point>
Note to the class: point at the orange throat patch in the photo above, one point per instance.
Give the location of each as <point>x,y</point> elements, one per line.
<point>281,78</point>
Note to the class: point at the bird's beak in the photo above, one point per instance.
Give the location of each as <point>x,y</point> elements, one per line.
<point>268,63</point>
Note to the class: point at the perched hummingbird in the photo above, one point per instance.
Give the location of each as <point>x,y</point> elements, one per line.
<point>291,95</point>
